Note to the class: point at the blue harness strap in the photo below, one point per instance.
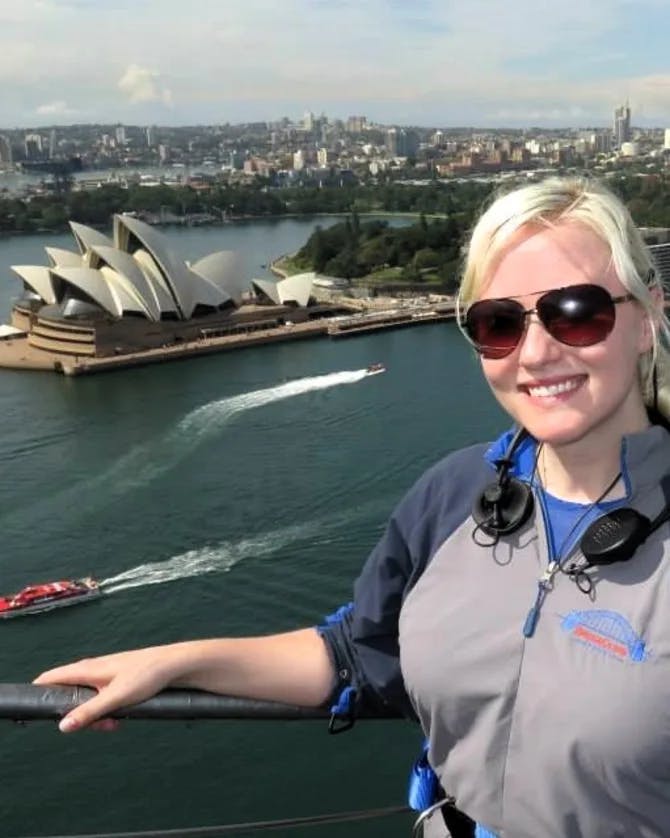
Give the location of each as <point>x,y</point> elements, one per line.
<point>423,784</point>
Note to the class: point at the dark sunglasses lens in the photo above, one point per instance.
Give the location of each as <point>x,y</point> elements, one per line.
<point>581,315</point>
<point>495,327</point>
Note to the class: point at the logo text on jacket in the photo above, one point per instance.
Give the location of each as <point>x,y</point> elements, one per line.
<point>607,632</point>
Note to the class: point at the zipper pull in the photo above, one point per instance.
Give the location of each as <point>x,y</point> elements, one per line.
<point>531,621</point>
<point>547,577</point>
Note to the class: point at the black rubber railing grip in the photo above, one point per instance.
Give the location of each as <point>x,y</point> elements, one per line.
<point>30,702</point>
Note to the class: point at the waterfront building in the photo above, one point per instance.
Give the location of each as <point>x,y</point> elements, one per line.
<point>132,293</point>
<point>621,129</point>
<point>296,289</point>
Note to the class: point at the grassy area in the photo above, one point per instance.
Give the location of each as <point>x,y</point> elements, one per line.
<point>386,276</point>
<point>290,265</point>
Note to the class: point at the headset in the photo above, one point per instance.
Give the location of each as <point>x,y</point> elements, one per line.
<point>506,504</point>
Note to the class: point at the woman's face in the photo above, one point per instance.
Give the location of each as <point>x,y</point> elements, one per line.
<point>564,394</point>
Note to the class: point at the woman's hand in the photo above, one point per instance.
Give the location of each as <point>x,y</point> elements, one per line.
<point>121,679</point>
<point>293,667</point>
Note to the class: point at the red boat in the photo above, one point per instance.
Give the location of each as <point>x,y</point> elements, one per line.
<point>37,598</point>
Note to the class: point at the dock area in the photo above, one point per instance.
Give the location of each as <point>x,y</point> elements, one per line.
<point>18,354</point>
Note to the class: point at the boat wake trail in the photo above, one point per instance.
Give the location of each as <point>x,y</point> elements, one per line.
<point>149,460</point>
<point>145,462</point>
<point>221,557</point>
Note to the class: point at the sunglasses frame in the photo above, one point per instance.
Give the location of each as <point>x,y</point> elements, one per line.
<point>493,353</point>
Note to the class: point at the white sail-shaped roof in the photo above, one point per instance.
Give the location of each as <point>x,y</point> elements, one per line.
<point>38,278</point>
<point>94,285</point>
<point>189,289</point>
<point>125,293</point>
<point>159,289</point>
<point>296,288</point>
<point>224,269</point>
<point>269,288</point>
<point>292,289</point>
<point>124,265</point>
<point>172,269</point>
<point>59,257</point>
<point>86,237</point>
<point>205,293</point>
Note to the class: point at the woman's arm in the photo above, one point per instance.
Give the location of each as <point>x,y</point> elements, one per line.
<point>294,667</point>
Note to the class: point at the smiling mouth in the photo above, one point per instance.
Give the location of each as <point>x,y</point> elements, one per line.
<point>544,391</point>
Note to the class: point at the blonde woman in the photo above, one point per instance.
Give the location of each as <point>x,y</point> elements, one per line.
<point>517,604</point>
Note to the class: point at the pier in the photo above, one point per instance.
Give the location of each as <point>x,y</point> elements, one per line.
<point>17,353</point>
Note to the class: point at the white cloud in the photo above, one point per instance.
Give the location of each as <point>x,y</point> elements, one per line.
<point>143,85</point>
<point>429,60</point>
<point>57,108</point>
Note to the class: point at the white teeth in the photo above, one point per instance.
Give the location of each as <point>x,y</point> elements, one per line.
<point>554,389</point>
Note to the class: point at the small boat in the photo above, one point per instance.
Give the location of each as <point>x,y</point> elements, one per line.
<point>34,599</point>
<point>375,369</point>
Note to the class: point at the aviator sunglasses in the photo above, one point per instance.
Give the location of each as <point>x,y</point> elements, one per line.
<point>578,315</point>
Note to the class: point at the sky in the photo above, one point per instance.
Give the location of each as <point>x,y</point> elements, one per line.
<point>442,63</point>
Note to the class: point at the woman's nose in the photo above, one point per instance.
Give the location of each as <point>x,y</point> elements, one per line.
<point>537,345</point>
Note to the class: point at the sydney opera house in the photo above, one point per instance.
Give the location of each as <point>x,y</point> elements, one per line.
<point>133,293</point>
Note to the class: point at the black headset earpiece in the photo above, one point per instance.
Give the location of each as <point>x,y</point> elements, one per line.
<point>506,505</point>
<point>503,507</point>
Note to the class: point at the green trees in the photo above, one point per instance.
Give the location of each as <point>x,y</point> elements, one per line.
<point>419,253</point>
<point>646,194</point>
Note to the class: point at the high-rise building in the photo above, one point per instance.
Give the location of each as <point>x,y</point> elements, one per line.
<point>5,150</point>
<point>308,121</point>
<point>601,142</point>
<point>120,135</point>
<point>401,143</point>
<point>299,160</point>
<point>53,143</point>
<point>33,146</point>
<point>151,136</point>
<point>667,138</point>
<point>356,124</point>
<point>621,128</point>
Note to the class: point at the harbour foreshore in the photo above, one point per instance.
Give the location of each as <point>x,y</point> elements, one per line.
<point>18,354</point>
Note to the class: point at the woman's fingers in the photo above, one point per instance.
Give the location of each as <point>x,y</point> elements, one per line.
<point>119,693</point>
<point>92,673</point>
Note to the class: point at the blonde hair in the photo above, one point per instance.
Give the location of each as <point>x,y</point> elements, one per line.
<point>580,201</point>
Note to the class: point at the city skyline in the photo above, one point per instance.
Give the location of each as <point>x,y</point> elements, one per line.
<point>478,63</point>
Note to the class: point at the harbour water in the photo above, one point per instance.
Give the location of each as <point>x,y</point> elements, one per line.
<point>230,494</point>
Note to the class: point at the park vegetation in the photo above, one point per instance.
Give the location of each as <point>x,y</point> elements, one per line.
<point>426,252</point>
<point>347,251</point>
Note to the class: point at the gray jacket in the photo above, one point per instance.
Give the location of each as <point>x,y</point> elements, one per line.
<point>565,734</point>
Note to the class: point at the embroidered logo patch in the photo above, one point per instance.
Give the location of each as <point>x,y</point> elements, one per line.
<point>607,632</point>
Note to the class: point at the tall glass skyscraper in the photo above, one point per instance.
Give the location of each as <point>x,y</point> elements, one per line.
<point>621,129</point>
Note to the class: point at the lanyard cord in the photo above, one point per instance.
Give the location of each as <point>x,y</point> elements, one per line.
<point>546,581</point>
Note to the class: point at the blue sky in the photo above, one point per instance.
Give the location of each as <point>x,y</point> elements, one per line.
<point>455,62</point>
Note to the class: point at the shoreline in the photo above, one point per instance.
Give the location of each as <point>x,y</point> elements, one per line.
<point>237,219</point>
<point>18,354</point>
